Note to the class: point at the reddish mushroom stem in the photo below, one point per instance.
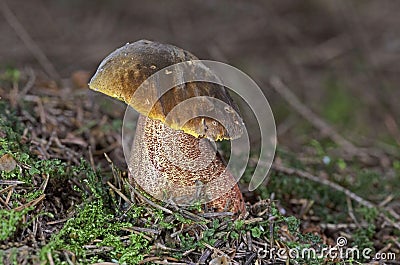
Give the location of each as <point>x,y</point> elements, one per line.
<point>168,162</point>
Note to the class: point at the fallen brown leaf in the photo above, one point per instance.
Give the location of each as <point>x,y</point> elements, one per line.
<point>7,163</point>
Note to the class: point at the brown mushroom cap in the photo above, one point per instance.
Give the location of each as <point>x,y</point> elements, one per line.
<point>124,70</point>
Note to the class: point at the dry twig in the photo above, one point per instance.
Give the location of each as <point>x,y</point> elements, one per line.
<point>311,117</point>
<point>350,194</point>
<point>147,200</point>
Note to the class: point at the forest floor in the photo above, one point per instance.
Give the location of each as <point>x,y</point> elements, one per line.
<point>64,201</point>
<point>329,70</point>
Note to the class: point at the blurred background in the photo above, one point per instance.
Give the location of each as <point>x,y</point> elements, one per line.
<point>339,57</point>
<point>329,69</point>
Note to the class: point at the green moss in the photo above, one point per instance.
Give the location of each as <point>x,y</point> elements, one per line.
<point>93,222</point>
<point>97,220</point>
<point>363,238</point>
<point>369,182</point>
<point>236,229</point>
<point>10,220</point>
<point>327,204</point>
<point>134,252</point>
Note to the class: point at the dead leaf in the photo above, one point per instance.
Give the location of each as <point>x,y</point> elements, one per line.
<point>7,163</point>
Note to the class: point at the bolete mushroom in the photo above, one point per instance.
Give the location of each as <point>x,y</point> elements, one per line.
<point>170,159</point>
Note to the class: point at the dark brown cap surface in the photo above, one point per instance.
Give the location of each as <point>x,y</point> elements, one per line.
<point>122,72</point>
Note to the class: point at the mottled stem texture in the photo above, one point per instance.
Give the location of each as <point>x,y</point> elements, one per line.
<point>172,165</point>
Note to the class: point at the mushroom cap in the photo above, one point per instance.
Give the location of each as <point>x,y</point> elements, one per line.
<point>126,69</point>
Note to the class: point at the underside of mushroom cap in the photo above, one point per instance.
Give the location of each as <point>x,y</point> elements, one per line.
<point>213,114</point>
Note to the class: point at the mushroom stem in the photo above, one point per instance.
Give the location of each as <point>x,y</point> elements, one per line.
<point>171,164</point>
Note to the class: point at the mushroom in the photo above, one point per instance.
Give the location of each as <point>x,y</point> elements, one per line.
<point>170,159</point>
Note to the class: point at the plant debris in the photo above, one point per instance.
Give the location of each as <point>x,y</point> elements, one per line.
<point>64,201</point>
